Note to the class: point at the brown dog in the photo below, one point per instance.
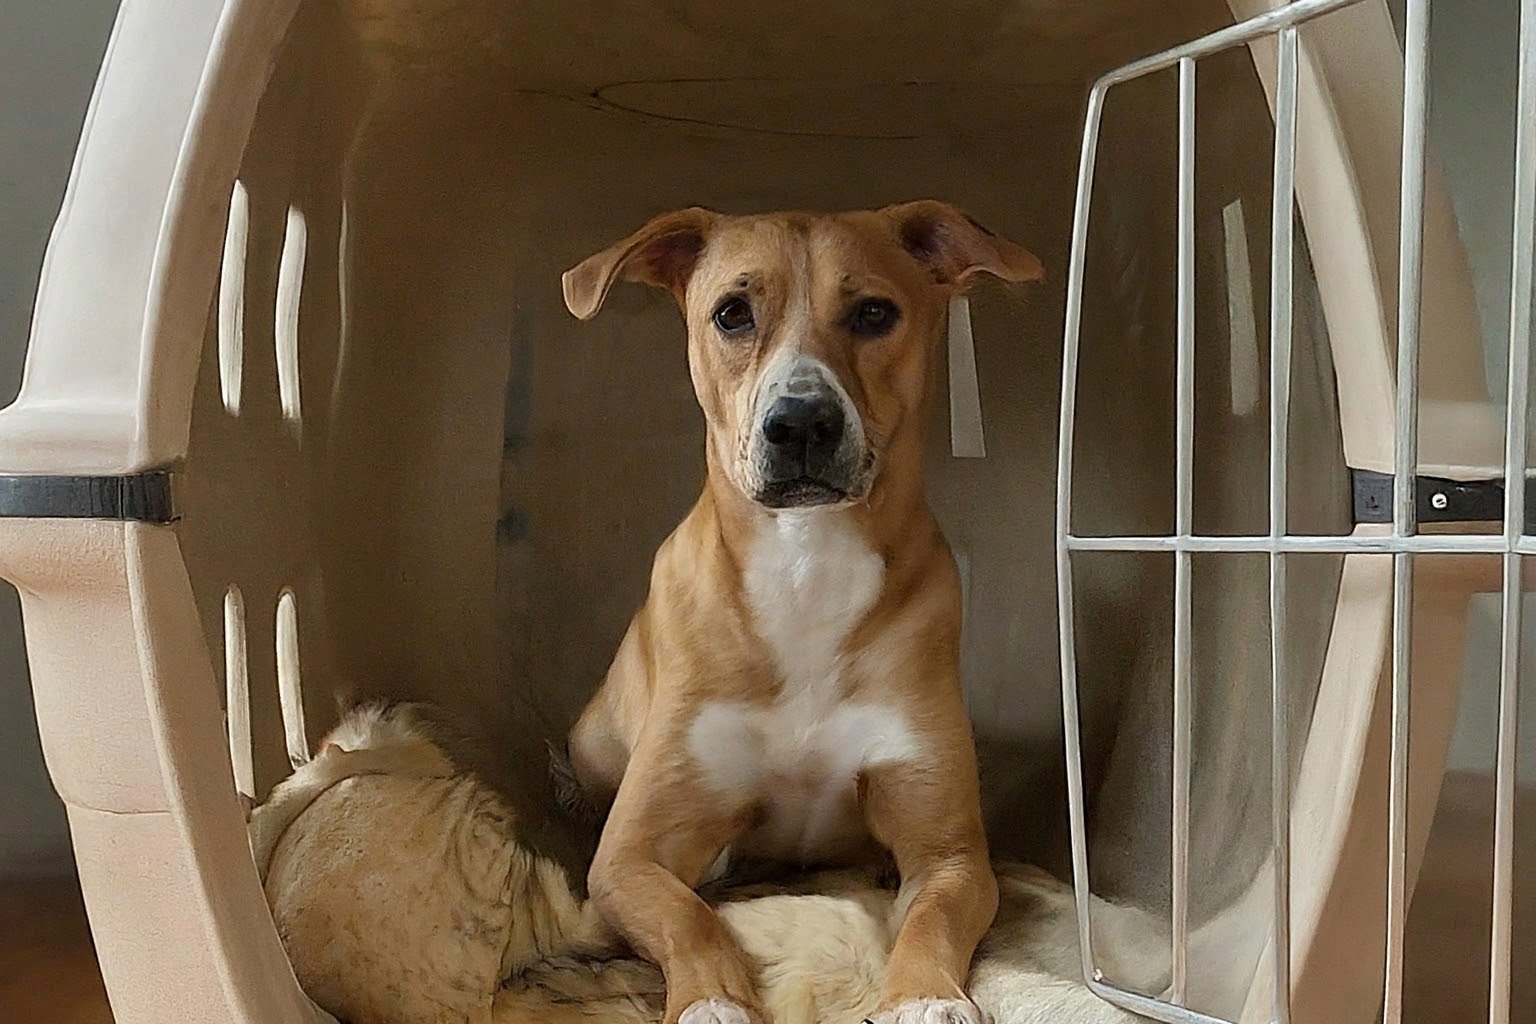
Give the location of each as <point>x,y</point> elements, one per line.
<point>790,688</point>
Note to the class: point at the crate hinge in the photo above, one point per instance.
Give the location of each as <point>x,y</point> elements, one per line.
<point>1437,499</point>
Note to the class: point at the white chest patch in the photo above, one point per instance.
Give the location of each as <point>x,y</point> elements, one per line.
<point>810,579</point>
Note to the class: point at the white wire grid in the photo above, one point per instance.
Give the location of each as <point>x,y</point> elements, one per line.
<point>1403,542</point>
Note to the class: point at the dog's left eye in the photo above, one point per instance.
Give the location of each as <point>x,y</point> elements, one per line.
<point>734,317</point>
<point>873,317</point>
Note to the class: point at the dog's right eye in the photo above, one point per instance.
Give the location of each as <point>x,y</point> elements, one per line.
<point>734,317</point>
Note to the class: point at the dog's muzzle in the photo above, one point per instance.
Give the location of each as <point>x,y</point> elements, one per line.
<point>804,450</point>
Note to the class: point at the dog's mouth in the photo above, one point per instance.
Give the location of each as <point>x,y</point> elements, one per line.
<point>800,492</point>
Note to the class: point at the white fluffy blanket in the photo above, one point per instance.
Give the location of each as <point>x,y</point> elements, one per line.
<point>404,897</point>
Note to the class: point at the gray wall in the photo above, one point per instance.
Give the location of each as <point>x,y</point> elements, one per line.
<point>49,53</point>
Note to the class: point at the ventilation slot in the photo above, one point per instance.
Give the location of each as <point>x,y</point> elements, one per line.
<point>1242,326</point>
<point>343,303</point>
<point>290,692</point>
<point>232,299</point>
<point>290,288</point>
<point>237,693</point>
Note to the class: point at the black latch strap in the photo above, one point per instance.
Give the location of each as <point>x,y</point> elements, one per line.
<point>139,497</point>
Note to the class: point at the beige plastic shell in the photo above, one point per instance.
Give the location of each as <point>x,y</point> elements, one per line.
<point>1348,159</point>
<point>128,701</point>
<point>128,705</point>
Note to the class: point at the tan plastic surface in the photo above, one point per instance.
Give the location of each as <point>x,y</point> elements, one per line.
<point>179,920</point>
<point>1349,132</point>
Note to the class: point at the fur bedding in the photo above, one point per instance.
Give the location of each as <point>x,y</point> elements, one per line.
<point>403,896</point>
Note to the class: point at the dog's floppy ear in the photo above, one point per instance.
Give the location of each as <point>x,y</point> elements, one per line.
<point>955,248</point>
<point>662,253</point>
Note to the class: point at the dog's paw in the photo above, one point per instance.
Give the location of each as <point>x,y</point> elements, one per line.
<point>932,1011</point>
<point>714,1011</point>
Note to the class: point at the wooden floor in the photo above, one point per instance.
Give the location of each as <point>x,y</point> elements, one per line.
<point>48,971</point>
<point>1449,923</point>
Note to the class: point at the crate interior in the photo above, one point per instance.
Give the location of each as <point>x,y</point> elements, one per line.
<point>462,487</point>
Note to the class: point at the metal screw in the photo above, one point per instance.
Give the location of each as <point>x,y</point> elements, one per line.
<point>1439,501</point>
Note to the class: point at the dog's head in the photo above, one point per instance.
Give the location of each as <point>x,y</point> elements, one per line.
<point>811,337</point>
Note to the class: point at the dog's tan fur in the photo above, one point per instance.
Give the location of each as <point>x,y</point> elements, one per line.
<point>694,735</point>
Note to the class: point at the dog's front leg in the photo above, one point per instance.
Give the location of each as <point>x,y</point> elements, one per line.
<point>929,817</point>
<point>662,836</point>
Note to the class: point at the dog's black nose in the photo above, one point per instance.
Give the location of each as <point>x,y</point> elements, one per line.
<point>809,425</point>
